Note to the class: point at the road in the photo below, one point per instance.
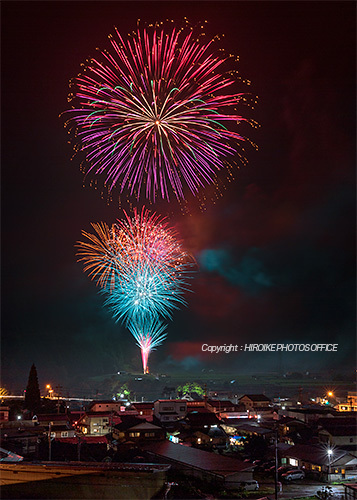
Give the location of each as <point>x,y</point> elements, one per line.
<point>300,489</point>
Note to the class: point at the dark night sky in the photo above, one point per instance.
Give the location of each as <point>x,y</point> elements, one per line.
<point>276,253</point>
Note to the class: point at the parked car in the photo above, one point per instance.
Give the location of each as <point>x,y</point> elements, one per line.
<point>250,485</point>
<point>268,466</point>
<point>285,468</point>
<point>293,474</point>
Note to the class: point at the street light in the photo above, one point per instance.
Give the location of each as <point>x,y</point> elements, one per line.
<point>329,454</point>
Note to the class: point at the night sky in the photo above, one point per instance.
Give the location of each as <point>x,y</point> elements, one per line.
<point>275,254</point>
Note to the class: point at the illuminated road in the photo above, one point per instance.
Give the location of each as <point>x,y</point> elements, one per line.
<point>308,488</point>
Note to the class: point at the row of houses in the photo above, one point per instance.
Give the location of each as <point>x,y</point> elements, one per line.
<point>167,427</point>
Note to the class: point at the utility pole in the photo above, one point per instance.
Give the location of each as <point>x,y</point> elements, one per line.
<point>79,443</point>
<point>276,464</point>
<point>49,442</point>
<point>59,389</point>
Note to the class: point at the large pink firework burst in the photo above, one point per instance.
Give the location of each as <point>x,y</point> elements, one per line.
<point>157,114</point>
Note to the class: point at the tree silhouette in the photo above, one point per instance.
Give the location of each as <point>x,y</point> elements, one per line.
<point>32,395</point>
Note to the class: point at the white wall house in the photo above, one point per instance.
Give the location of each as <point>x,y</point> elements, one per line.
<point>170,410</point>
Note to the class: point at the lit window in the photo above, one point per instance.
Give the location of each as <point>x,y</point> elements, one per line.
<point>293,462</point>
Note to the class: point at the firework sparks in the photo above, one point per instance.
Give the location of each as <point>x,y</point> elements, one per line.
<point>152,115</point>
<point>102,253</point>
<point>144,291</point>
<point>129,247</point>
<point>142,270</point>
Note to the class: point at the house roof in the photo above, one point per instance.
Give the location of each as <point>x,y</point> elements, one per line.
<point>61,427</point>
<point>84,439</point>
<point>129,421</point>
<point>143,406</point>
<point>339,426</point>
<point>200,419</point>
<point>53,417</point>
<point>255,397</point>
<point>22,432</point>
<point>99,414</point>
<point>312,411</point>
<point>317,454</point>
<point>199,459</point>
<point>145,426</point>
<point>261,431</point>
<point>221,404</point>
<point>341,430</point>
<point>171,401</point>
<point>196,404</point>
<point>74,416</point>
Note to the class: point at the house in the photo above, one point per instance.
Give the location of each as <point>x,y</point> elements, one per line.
<point>204,465</point>
<point>200,428</point>
<point>308,415</point>
<point>136,430</point>
<point>4,413</point>
<point>226,409</point>
<point>97,423</point>
<point>350,404</point>
<point>107,405</point>
<point>144,409</point>
<point>315,460</point>
<point>170,410</point>
<point>200,420</point>
<point>46,419</point>
<point>214,438</point>
<point>62,431</point>
<point>247,429</point>
<point>294,431</point>
<point>254,401</point>
<point>23,440</point>
<point>196,405</point>
<point>338,431</point>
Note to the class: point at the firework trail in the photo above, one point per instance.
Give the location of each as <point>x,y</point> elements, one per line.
<point>148,336</point>
<point>152,115</point>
